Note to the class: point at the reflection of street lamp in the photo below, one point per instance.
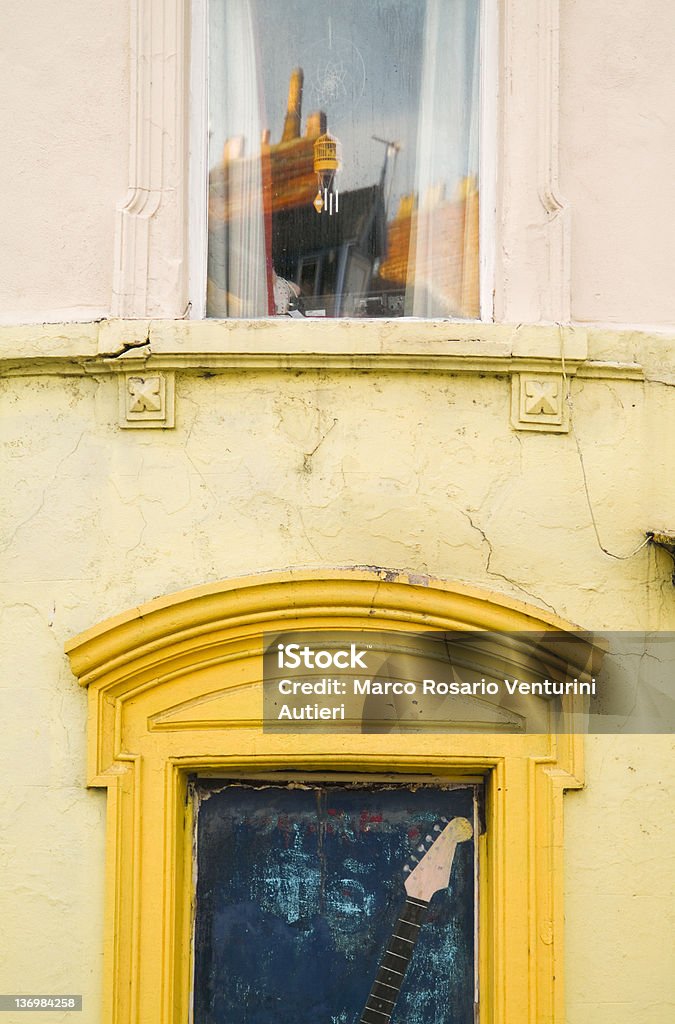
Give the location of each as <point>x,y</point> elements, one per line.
<point>326,166</point>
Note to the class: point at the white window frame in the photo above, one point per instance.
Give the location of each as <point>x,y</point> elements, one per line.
<point>199,171</point>
<point>525,221</point>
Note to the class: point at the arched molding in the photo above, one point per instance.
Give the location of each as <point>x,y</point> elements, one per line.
<point>175,688</point>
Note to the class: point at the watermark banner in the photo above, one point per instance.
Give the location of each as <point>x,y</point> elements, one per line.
<point>469,681</point>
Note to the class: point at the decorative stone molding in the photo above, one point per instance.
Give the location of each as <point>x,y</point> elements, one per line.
<point>161,348</point>
<point>149,277</point>
<point>148,352</point>
<point>175,688</point>
<point>556,298</point>
<point>538,402</point>
<point>147,399</point>
<point>533,219</point>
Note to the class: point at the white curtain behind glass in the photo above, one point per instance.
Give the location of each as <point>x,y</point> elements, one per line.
<point>447,164</point>
<point>400,70</point>
<point>237,276</point>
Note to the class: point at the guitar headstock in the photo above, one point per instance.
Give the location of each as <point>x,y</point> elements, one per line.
<point>436,853</point>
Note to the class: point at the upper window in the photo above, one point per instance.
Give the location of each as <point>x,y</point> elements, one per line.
<point>343,160</point>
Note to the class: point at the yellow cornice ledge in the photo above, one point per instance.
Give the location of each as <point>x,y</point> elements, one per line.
<point>406,345</point>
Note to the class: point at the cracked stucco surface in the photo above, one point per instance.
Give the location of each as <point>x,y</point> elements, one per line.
<point>418,471</point>
<point>414,471</point>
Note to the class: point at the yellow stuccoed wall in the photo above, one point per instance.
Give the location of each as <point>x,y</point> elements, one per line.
<point>282,457</point>
<point>329,444</point>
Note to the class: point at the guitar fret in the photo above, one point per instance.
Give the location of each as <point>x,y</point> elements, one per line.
<point>379,1007</point>
<point>394,988</point>
<point>369,1009</point>
<point>400,946</point>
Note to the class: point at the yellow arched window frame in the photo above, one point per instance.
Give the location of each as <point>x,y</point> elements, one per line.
<point>174,689</point>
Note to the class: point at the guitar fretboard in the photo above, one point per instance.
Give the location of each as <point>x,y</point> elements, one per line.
<point>397,956</point>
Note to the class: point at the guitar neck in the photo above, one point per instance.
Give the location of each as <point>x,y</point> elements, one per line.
<point>397,956</point>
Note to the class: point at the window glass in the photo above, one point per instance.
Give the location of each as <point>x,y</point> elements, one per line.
<point>300,896</point>
<point>343,156</point>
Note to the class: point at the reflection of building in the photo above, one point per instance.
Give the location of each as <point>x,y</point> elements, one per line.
<point>454,274</point>
<point>350,264</point>
<point>331,257</point>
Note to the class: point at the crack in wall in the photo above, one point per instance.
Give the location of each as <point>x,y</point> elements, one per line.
<point>307,457</point>
<point>567,385</point>
<point>587,493</point>
<point>498,575</point>
<point>43,498</point>
<point>128,346</point>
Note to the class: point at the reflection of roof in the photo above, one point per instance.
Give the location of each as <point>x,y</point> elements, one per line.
<point>284,170</point>
<point>433,243</point>
<point>301,230</point>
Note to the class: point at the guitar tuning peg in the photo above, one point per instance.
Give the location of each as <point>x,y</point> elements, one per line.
<point>437,828</point>
<point>420,848</point>
<point>444,820</point>
<point>406,869</point>
<point>429,839</point>
<point>414,858</point>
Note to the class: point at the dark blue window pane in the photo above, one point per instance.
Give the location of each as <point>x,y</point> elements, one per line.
<point>298,892</point>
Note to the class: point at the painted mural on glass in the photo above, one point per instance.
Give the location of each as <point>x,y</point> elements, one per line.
<point>331,903</point>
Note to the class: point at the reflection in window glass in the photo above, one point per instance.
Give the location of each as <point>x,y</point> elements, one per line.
<point>343,155</point>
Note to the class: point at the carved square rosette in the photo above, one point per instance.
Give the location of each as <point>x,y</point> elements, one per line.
<point>538,402</point>
<point>147,399</point>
